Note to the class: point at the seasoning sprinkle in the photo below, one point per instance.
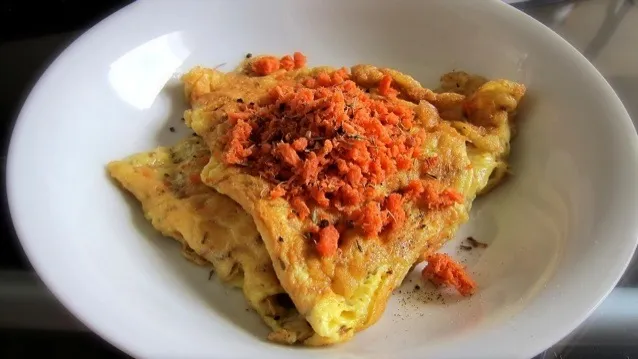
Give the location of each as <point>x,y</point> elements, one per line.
<point>476,243</point>
<point>327,145</point>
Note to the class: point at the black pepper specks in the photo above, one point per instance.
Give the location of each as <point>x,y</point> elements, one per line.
<point>249,55</point>
<point>474,243</point>
<point>240,100</point>
<point>324,223</point>
<point>172,129</point>
<point>281,239</point>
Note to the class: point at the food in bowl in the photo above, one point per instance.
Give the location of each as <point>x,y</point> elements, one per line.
<point>212,228</point>
<point>323,185</point>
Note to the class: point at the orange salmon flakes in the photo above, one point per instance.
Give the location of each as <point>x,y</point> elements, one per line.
<point>443,270</point>
<point>323,142</point>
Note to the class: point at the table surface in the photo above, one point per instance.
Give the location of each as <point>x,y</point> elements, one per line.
<point>605,31</point>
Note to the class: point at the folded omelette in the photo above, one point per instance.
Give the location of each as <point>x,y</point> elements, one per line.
<point>211,227</point>
<point>350,176</point>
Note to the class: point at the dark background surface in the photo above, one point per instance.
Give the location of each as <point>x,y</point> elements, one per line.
<point>31,36</point>
<point>21,19</point>
<point>22,60</point>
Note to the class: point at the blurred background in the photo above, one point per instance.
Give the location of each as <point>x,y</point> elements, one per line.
<point>31,36</point>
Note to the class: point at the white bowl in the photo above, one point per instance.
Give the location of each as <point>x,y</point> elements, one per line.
<point>561,231</point>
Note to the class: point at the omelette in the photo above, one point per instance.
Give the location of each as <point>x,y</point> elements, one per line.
<point>212,228</point>
<point>351,176</point>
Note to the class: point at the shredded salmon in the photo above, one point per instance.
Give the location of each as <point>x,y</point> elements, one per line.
<point>429,164</point>
<point>277,192</point>
<point>236,152</point>
<point>326,143</point>
<point>443,270</point>
<point>299,60</point>
<point>266,65</point>
<point>430,194</point>
<point>385,87</point>
<point>299,206</point>
<point>394,205</point>
<point>287,62</point>
<point>328,241</point>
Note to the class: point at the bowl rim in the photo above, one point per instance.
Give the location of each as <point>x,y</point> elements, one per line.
<point>52,281</point>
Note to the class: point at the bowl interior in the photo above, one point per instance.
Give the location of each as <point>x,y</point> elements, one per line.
<point>560,231</point>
